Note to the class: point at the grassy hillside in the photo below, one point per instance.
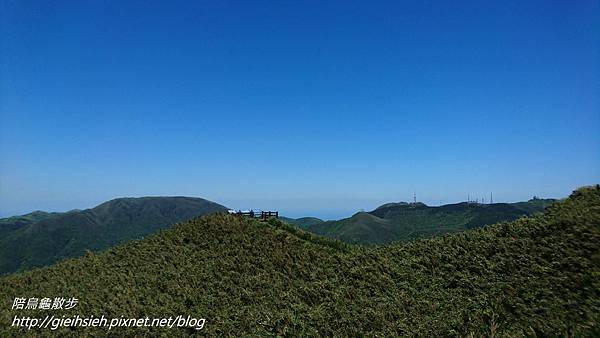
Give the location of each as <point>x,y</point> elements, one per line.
<point>536,276</point>
<point>40,239</point>
<point>406,221</point>
<point>10,224</point>
<point>302,222</point>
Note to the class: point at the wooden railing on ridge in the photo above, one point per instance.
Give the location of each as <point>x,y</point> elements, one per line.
<point>260,215</point>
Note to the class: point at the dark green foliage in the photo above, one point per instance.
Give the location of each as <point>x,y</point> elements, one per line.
<point>537,276</point>
<point>40,239</point>
<point>406,221</point>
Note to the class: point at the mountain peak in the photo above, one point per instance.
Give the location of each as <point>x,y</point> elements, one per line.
<point>401,204</point>
<point>39,239</point>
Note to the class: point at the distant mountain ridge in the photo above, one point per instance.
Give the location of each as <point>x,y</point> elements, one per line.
<point>401,221</point>
<point>12,223</point>
<point>40,238</point>
<point>303,222</point>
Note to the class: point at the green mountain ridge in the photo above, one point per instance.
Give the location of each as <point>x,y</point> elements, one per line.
<point>302,222</point>
<point>15,222</point>
<point>406,221</point>
<point>40,239</point>
<point>536,276</point>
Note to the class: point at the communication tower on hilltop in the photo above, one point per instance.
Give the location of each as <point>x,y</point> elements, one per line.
<point>414,197</point>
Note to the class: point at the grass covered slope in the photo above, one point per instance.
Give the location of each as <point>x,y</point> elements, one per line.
<point>15,222</point>
<point>407,221</point>
<point>537,275</point>
<point>302,222</point>
<point>40,239</point>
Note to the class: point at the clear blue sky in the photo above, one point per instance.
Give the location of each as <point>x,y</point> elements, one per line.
<point>312,108</point>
